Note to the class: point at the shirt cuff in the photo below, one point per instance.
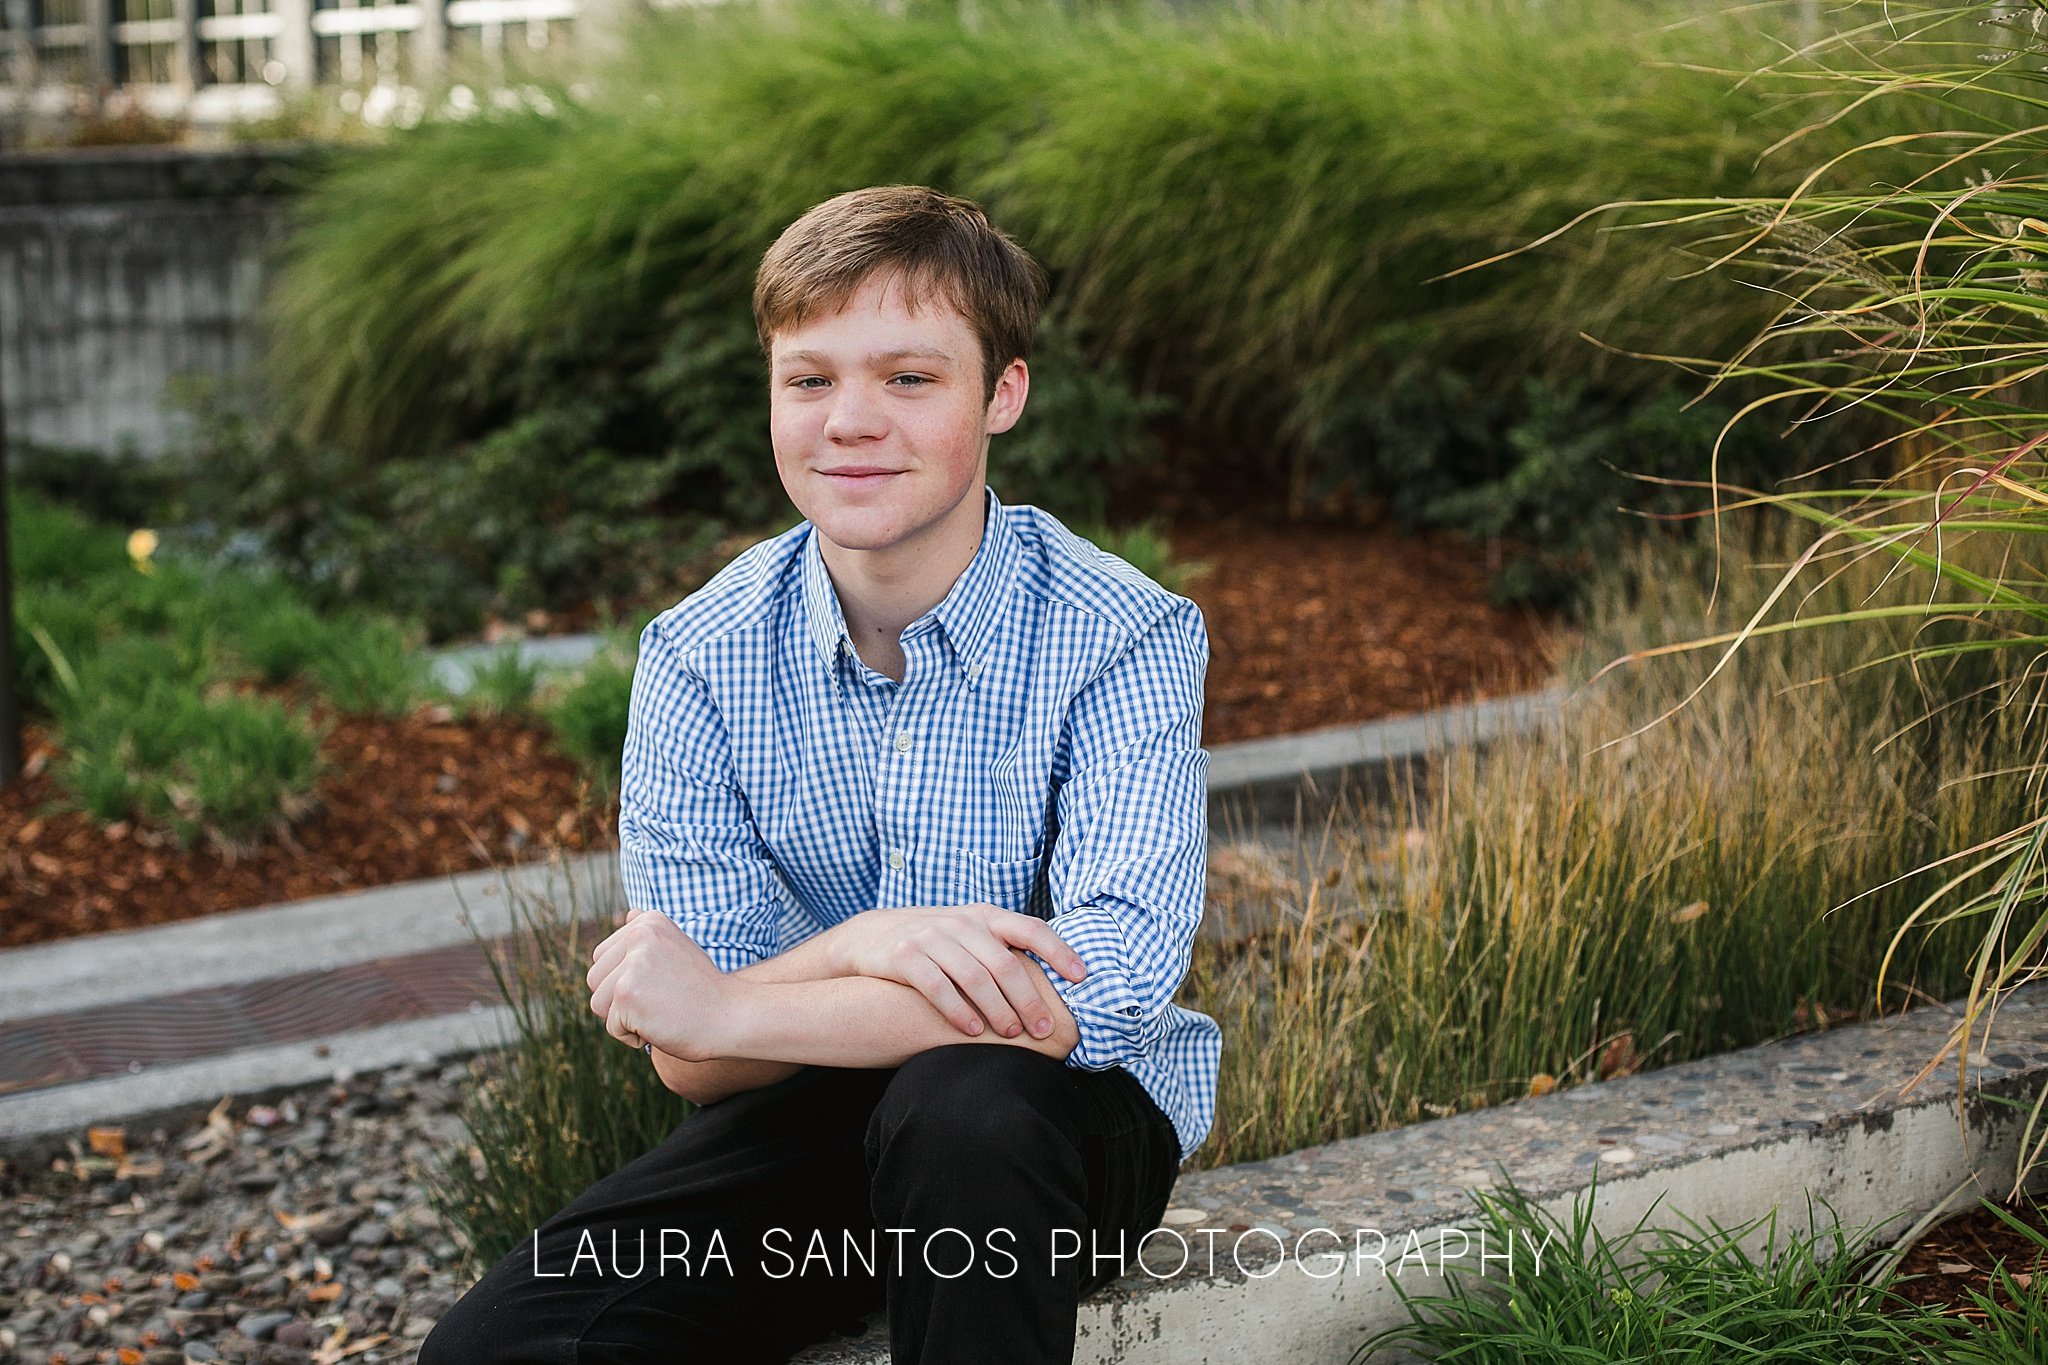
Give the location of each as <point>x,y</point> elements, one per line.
<point>1107,1004</point>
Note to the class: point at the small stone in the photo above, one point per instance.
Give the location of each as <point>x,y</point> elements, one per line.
<point>1183,1216</point>
<point>1615,1156</point>
<point>260,1326</point>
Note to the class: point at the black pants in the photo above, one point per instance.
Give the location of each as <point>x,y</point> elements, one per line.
<point>979,1190</point>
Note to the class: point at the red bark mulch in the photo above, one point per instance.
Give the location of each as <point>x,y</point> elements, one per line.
<point>1960,1255</point>
<point>1315,625</point>
<point>406,798</point>
<point>1309,626</point>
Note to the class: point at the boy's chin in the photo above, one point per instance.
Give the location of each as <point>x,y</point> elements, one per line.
<point>860,528</point>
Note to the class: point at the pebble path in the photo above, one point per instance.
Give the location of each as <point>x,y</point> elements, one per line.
<point>294,1232</point>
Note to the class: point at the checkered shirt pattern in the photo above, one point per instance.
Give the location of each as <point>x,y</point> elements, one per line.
<point>1042,754</point>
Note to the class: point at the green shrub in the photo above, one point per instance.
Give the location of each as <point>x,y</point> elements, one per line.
<point>1247,213</point>
<point>48,619</point>
<point>1650,877</point>
<point>124,489</point>
<point>1145,548</point>
<point>588,715</point>
<point>504,684</point>
<point>54,543</point>
<point>368,665</point>
<point>536,514</point>
<point>144,737</point>
<point>280,638</point>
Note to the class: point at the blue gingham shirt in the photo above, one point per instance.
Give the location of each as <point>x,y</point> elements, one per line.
<point>1042,754</point>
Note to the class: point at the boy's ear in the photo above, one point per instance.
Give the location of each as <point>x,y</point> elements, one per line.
<point>1007,404</point>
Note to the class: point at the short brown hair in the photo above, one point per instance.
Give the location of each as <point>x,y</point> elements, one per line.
<point>933,242</point>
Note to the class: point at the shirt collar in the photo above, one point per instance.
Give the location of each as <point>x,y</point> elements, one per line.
<point>969,613</point>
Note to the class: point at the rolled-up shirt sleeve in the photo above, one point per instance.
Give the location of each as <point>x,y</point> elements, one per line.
<point>1129,866</point>
<point>688,844</point>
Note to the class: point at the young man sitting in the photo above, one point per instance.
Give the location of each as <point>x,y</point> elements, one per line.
<point>913,832</point>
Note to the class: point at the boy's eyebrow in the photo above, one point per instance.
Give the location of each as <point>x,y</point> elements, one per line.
<point>878,358</point>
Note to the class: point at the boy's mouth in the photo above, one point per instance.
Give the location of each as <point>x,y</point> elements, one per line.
<point>860,474</point>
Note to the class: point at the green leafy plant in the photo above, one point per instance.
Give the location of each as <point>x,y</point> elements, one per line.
<point>146,738</point>
<point>1146,548</point>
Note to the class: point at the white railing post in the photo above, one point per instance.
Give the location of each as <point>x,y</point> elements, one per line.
<point>294,47</point>
<point>430,42</point>
<point>100,67</point>
<point>187,64</point>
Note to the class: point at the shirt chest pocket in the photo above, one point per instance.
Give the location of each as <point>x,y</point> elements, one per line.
<point>1019,885</point>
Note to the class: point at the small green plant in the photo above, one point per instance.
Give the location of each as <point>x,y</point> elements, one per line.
<point>280,638</point>
<point>1146,548</point>
<point>369,666</point>
<point>146,738</point>
<point>502,685</point>
<point>1695,1294</point>
<point>588,715</point>
<point>564,1105</point>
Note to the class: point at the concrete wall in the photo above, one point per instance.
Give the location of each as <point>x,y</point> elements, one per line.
<point>122,267</point>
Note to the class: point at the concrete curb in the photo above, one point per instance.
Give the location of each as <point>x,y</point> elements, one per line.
<point>1820,1117</point>
<point>1291,777</point>
<point>278,940</point>
<point>454,668</point>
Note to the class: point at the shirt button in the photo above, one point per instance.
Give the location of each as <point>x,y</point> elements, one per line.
<point>903,742</point>
<point>895,860</point>
<point>974,669</point>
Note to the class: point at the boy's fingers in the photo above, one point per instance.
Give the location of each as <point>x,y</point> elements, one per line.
<point>977,980</point>
<point>1028,931</point>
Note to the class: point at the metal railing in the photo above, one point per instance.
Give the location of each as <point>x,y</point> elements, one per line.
<point>219,57</point>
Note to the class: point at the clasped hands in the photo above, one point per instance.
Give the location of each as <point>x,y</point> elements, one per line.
<point>651,983</point>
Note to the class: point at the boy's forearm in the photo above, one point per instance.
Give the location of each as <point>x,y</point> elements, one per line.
<point>711,1081</point>
<point>863,1021</point>
<point>782,1025</point>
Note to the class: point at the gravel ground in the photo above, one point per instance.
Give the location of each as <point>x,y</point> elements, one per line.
<point>296,1230</point>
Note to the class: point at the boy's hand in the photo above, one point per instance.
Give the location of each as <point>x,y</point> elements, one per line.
<point>651,983</point>
<point>941,951</point>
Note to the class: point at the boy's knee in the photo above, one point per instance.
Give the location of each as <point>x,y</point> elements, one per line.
<point>968,1097</point>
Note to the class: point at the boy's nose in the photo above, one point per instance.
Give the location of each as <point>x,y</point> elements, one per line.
<point>853,416</point>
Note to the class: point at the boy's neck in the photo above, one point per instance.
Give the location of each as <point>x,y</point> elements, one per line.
<point>882,591</point>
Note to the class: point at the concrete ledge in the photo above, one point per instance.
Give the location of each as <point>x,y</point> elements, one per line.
<point>1302,776</point>
<point>1304,1250</point>
<point>279,940</point>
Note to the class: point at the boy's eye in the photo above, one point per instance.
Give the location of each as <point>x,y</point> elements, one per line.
<point>917,380</point>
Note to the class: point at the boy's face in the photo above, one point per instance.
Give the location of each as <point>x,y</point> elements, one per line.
<point>875,387</point>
